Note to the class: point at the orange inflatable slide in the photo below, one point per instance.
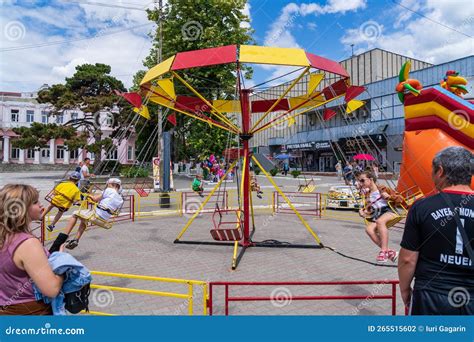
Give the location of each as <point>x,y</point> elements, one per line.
<point>434,119</point>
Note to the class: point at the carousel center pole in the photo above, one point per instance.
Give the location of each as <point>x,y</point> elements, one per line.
<point>245,137</point>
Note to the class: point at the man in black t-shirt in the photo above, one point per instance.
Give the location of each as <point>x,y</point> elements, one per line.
<point>433,249</point>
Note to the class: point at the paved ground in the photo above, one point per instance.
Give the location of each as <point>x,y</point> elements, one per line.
<point>146,247</point>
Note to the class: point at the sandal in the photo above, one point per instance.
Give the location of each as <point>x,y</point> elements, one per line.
<point>72,244</point>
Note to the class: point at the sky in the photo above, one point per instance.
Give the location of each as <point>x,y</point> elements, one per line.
<point>43,41</point>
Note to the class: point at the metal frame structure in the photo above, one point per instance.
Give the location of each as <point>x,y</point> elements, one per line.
<point>155,88</point>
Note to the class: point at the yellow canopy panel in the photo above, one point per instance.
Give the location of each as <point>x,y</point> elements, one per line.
<point>297,101</point>
<point>227,106</point>
<point>158,70</point>
<point>272,55</point>
<point>353,105</point>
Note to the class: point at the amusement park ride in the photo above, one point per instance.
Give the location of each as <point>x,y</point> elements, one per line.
<point>427,111</point>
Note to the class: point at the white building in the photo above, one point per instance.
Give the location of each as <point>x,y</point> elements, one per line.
<point>22,109</point>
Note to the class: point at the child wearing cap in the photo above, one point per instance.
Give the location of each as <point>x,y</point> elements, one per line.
<point>107,203</point>
<point>65,194</point>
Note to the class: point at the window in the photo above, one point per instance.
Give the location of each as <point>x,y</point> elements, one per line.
<point>74,116</point>
<point>60,152</point>
<point>130,154</point>
<point>73,154</point>
<point>59,118</point>
<point>30,153</point>
<point>44,116</point>
<point>45,152</point>
<point>15,153</point>
<point>112,155</point>
<point>15,115</point>
<point>30,115</point>
<point>110,119</point>
<point>92,155</point>
<point>398,112</point>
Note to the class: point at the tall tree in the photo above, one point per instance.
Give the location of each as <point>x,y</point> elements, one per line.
<point>90,90</point>
<point>194,25</point>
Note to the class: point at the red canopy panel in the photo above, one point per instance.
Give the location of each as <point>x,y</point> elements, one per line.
<point>432,94</point>
<point>326,64</point>
<point>335,89</point>
<point>328,114</point>
<point>191,104</point>
<point>428,122</point>
<point>353,92</point>
<point>261,106</point>
<point>205,57</point>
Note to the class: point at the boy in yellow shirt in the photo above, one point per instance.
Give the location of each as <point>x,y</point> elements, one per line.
<point>65,194</point>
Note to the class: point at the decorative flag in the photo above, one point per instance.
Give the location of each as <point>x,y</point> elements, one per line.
<point>353,92</point>
<point>328,114</point>
<point>354,105</point>
<point>291,121</point>
<point>172,118</point>
<point>143,111</point>
<point>314,80</point>
<point>134,98</point>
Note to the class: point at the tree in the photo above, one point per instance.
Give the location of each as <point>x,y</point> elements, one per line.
<point>194,25</point>
<point>91,90</point>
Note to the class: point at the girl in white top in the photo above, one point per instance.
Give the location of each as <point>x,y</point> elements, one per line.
<point>108,202</point>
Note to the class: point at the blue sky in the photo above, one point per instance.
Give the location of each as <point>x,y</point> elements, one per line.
<point>60,32</point>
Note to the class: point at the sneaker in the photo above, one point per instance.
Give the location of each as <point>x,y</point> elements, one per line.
<point>72,244</point>
<point>392,255</point>
<point>51,227</point>
<point>382,256</point>
<point>259,196</point>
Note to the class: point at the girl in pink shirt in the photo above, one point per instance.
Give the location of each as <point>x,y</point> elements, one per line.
<point>23,260</point>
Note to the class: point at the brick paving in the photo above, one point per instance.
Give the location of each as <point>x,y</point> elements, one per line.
<point>146,247</point>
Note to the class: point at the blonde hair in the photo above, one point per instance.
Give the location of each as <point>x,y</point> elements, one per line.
<point>15,201</point>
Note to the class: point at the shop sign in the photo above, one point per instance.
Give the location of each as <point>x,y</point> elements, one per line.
<point>302,145</point>
<point>322,145</point>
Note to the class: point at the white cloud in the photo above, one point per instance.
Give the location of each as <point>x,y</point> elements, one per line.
<point>280,34</point>
<point>28,69</point>
<point>342,6</point>
<point>246,11</point>
<point>426,39</point>
<point>68,69</point>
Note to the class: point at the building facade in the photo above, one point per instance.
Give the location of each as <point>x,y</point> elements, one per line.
<point>22,109</point>
<point>377,128</point>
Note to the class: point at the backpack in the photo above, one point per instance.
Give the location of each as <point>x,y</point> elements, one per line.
<point>78,300</point>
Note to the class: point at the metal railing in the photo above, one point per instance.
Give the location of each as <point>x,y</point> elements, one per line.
<point>188,297</point>
<point>392,296</point>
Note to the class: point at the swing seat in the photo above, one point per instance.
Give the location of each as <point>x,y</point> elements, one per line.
<point>226,230</point>
<point>308,187</point>
<point>141,192</point>
<point>90,215</point>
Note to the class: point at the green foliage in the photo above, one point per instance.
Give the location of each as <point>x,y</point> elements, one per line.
<point>194,25</point>
<point>38,135</point>
<point>274,171</point>
<point>90,89</point>
<point>112,167</point>
<point>295,173</point>
<point>134,172</point>
<point>257,171</point>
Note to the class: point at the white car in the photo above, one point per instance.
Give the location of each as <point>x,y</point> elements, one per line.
<point>344,197</point>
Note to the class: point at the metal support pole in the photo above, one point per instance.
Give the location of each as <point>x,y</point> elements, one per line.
<point>245,137</point>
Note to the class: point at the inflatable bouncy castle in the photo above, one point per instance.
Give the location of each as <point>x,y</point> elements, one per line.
<point>435,118</point>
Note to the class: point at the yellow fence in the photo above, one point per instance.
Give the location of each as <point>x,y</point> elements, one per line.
<point>188,297</point>
<point>156,204</point>
<point>350,215</point>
